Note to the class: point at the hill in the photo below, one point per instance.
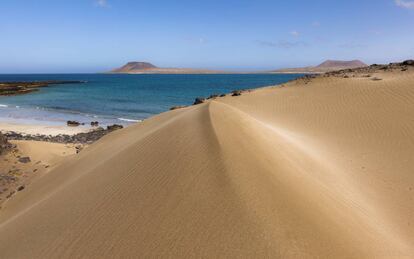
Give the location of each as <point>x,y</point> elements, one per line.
<point>326,66</point>
<point>148,68</point>
<point>330,64</point>
<point>134,66</point>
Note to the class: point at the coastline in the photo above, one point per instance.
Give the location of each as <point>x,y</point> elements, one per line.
<point>320,166</point>
<point>37,129</point>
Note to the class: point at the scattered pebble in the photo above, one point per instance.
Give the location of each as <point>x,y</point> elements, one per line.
<point>24,160</point>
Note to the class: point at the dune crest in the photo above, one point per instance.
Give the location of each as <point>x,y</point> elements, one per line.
<point>317,167</point>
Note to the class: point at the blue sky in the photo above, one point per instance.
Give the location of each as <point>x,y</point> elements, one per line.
<point>96,35</point>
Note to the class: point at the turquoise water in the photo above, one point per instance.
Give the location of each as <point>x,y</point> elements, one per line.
<point>115,98</point>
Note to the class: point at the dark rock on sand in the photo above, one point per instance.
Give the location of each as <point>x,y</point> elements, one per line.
<point>80,138</point>
<point>24,160</point>
<point>408,63</point>
<point>177,107</point>
<point>114,127</point>
<point>199,100</point>
<point>20,188</point>
<point>94,123</point>
<point>376,79</point>
<point>236,93</point>
<point>213,96</point>
<point>73,123</point>
<point>5,145</point>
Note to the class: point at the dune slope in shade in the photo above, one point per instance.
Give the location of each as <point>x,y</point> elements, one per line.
<point>323,169</point>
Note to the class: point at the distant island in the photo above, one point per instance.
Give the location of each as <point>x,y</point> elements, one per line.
<point>327,66</point>
<point>148,68</point>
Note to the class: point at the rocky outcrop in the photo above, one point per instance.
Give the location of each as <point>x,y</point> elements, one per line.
<point>365,71</point>
<point>80,138</point>
<point>73,123</point>
<point>5,145</point>
<point>114,127</point>
<point>199,100</point>
<point>15,88</point>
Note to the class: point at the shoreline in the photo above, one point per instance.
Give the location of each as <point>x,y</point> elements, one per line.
<point>325,156</point>
<point>46,129</point>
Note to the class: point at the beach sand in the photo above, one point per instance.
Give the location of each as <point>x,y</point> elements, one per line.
<point>34,129</point>
<point>319,168</point>
<point>42,157</point>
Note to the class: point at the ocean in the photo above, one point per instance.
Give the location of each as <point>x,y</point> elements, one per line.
<point>119,98</point>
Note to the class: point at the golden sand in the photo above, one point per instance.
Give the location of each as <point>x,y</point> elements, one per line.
<point>319,169</point>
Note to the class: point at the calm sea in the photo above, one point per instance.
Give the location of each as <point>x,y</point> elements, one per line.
<point>113,98</point>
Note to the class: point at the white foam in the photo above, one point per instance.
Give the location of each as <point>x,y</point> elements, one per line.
<point>4,105</point>
<point>129,120</point>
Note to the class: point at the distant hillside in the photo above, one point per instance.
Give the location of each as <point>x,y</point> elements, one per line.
<point>343,64</point>
<point>134,66</point>
<point>327,66</point>
<point>148,68</point>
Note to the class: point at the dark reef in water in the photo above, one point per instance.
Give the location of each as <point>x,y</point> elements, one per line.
<point>15,88</point>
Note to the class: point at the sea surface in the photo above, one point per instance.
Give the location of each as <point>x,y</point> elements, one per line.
<point>119,98</point>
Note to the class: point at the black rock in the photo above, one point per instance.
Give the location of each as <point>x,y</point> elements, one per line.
<point>376,79</point>
<point>5,145</point>
<point>114,127</point>
<point>176,107</point>
<point>213,96</point>
<point>72,123</point>
<point>94,123</point>
<point>236,93</point>
<point>24,160</point>
<point>408,63</point>
<point>199,100</point>
<point>20,188</point>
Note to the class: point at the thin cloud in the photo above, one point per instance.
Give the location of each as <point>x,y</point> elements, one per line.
<point>405,4</point>
<point>283,44</point>
<point>295,33</point>
<point>102,3</point>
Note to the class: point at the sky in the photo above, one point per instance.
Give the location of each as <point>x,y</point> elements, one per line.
<point>83,36</point>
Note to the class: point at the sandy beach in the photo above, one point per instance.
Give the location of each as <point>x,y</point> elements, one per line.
<point>44,129</point>
<point>315,168</point>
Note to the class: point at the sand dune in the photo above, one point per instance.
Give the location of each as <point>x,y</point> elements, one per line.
<point>317,169</point>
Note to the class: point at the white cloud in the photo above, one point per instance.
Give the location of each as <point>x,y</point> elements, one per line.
<point>101,3</point>
<point>294,33</point>
<point>405,4</point>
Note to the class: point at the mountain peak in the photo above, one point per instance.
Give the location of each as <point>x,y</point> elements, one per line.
<point>342,64</point>
<point>133,66</point>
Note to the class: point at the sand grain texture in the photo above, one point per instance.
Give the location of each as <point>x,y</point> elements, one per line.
<point>301,171</point>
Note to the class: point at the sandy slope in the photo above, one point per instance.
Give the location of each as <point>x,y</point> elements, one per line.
<point>323,169</point>
<point>43,156</point>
